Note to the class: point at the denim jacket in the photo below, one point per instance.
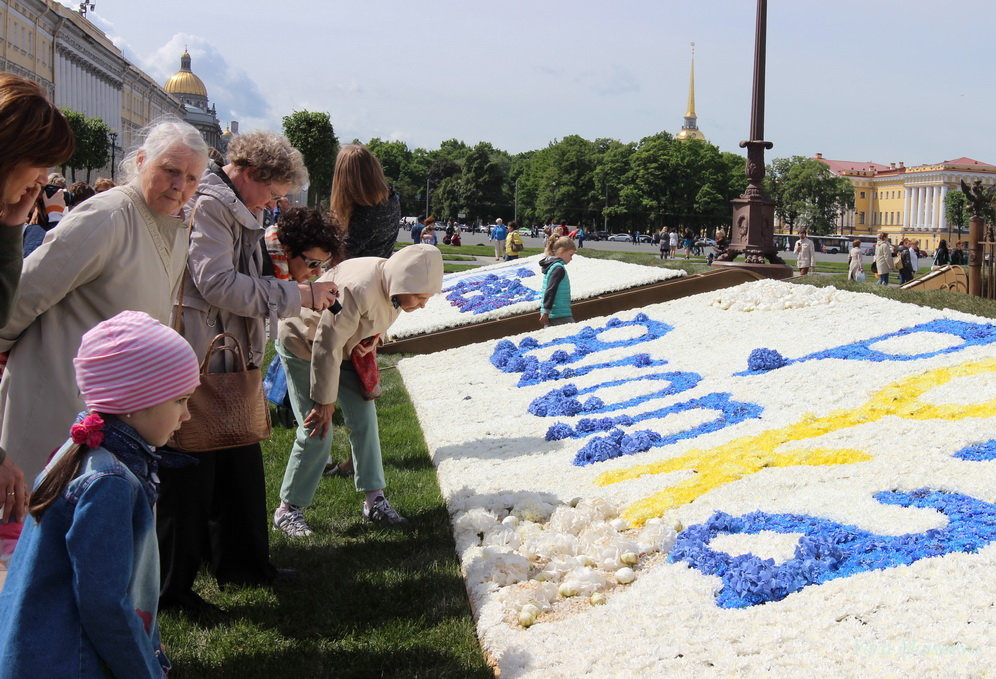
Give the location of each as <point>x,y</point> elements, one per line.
<point>82,593</point>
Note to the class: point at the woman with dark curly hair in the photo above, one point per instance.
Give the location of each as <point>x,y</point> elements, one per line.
<point>302,244</point>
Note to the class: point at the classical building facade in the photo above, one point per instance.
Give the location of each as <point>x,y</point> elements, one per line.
<point>190,91</point>
<point>906,200</point>
<point>81,68</point>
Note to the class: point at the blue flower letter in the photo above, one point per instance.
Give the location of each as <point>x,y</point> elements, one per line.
<point>830,550</point>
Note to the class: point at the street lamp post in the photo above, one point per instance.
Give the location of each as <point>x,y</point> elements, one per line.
<point>753,230</point>
<point>427,196</point>
<point>516,217</point>
<point>114,143</point>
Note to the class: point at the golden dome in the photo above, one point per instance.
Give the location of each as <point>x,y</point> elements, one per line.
<point>184,81</point>
<point>685,134</point>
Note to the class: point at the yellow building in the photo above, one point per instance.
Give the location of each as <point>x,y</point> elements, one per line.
<point>906,201</point>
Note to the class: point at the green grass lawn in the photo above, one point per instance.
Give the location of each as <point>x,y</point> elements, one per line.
<point>449,267</point>
<point>374,602</point>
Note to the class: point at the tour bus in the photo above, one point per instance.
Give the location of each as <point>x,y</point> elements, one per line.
<point>830,245</point>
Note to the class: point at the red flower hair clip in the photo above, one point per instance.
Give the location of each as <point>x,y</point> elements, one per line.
<point>89,432</point>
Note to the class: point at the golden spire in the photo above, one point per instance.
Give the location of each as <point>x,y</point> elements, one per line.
<point>691,88</point>
<point>690,130</point>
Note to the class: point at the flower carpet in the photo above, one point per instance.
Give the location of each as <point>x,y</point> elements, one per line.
<point>516,287</point>
<point>770,479</point>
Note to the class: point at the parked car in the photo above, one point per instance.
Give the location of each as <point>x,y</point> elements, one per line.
<point>525,231</point>
<point>705,242</point>
<point>644,238</point>
<point>620,238</point>
<point>598,235</point>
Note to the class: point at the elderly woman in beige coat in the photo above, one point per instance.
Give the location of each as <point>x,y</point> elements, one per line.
<point>316,353</point>
<point>883,258</point>
<point>221,501</point>
<point>124,249</point>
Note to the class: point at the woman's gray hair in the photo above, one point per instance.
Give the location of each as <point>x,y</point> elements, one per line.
<point>159,136</point>
<point>271,154</point>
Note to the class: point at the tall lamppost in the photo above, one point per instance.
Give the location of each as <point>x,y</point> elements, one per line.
<point>516,217</point>
<point>427,195</point>
<point>114,142</point>
<point>753,229</point>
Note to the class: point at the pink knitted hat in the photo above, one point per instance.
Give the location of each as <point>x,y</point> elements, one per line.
<point>131,362</point>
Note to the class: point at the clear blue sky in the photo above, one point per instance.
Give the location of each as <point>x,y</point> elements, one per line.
<point>886,80</point>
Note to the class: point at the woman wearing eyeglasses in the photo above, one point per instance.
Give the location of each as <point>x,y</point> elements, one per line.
<point>221,501</point>
<point>301,245</point>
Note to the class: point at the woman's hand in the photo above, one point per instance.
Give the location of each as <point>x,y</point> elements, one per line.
<point>319,419</point>
<point>544,320</point>
<point>16,214</point>
<point>13,494</point>
<point>367,346</point>
<point>318,295</point>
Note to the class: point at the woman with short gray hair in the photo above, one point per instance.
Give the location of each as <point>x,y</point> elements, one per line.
<point>123,249</point>
<point>221,501</point>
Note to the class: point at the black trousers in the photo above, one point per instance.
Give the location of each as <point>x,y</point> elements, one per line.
<point>214,511</point>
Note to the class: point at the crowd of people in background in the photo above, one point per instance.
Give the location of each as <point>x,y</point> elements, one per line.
<point>113,301</point>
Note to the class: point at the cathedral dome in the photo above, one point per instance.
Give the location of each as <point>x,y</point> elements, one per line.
<point>184,81</point>
<point>686,134</point>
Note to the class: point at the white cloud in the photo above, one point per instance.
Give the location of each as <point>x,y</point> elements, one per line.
<point>232,91</point>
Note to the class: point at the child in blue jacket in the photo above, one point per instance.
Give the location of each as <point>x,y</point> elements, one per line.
<point>555,309</point>
<point>82,593</point>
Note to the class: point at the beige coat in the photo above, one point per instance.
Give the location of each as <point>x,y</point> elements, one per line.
<point>110,254</point>
<point>366,286</point>
<point>883,257</point>
<point>224,289</point>
<point>804,253</point>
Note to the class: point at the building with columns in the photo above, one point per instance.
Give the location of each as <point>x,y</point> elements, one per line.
<point>906,201</point>
<point>81,69</point>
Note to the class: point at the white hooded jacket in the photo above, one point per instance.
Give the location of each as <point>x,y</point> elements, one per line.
<point>366,288</point>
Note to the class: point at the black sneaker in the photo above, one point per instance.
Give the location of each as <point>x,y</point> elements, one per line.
<point>383,513</point>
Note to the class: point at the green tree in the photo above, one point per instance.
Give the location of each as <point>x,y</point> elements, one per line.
<point>483,185</point>
<point>567,181</point>
<point>77,122</point>
<point>956,210</point>
<point>311,133</point>
<point>608,178</point>
<point>808,193</point>
<point>96,141</point>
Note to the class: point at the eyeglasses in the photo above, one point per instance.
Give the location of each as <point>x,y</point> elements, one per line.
<point>274,197</point>
<point>316,263</point>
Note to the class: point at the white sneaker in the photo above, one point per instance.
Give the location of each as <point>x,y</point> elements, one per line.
<point>383,513</point>
<point>291,522</point>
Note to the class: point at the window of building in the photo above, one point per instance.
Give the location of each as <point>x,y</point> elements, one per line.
<point>861,219</point>
<point>861,195</point>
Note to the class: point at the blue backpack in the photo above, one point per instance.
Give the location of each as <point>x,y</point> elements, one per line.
<point>500,232</point>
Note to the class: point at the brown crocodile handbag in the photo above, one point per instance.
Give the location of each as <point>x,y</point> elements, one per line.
<point>228,409</point>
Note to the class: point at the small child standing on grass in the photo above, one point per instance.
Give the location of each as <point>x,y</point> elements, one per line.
<point>83,591</point>
<point>555,308</point>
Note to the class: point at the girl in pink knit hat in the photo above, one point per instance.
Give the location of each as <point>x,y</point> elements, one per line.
<point>83,590</point>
